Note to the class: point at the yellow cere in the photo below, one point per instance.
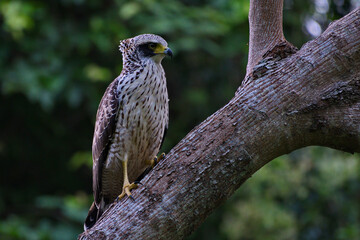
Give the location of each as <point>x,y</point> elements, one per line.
<point>159,48</point>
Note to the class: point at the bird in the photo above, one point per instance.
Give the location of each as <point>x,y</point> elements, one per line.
<point>131,122</point>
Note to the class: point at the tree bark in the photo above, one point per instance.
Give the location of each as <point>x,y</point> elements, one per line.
<point>288,101</point>
<point>266,30</point>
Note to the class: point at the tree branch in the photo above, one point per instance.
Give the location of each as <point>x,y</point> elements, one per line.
<point>311,97</point>
<point>266,30</point>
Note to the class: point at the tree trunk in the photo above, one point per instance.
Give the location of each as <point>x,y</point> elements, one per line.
<point>288,100</point>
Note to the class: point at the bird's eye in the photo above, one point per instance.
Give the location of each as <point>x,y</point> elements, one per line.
<point>152,46</point>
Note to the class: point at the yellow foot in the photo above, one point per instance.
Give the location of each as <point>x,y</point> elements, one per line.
<point>161,157</point>
<point>126,191</point>
<point>156,160</point>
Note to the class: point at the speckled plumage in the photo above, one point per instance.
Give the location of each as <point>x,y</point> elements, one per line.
<point>131,121</point>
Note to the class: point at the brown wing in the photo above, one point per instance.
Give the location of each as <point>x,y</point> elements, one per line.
<point>105,125</point>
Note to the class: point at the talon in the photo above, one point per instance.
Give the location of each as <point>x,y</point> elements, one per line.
<point>137,182</point>
<point>152,162</point>
<point>156,160</point>
<point>126,191</point>
<point>162,156</point>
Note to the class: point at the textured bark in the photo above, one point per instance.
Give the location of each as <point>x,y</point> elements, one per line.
<point>266,30</point>
<point>290,100</point>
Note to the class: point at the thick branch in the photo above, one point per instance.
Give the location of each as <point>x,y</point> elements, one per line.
<point>266,30</point>
<point>309,98</point>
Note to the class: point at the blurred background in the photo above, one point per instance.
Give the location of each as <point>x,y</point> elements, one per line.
<point>56,60</point>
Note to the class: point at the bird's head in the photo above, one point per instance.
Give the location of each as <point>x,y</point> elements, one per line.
<point>145,46</point>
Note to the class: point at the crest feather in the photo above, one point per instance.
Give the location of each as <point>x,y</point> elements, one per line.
<point>124,45</point>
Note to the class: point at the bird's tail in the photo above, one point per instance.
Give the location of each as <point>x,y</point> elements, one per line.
<point>93,215</point>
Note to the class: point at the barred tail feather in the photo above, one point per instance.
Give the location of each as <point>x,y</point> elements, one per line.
<point>93,215</point>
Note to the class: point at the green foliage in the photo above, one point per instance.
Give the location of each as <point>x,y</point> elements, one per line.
<point>56,59</point>
<point>55,218</point>
<point>309,194</point>
<point>17,17</point>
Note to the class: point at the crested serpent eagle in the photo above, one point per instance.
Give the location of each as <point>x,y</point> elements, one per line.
<point>131,121</point>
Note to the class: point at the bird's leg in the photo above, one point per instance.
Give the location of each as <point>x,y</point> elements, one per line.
<point>156,160</point>
<point>127,185</point>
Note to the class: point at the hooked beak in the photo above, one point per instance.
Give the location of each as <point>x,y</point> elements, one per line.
<point>163,50</point>
<point>168,52</point>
